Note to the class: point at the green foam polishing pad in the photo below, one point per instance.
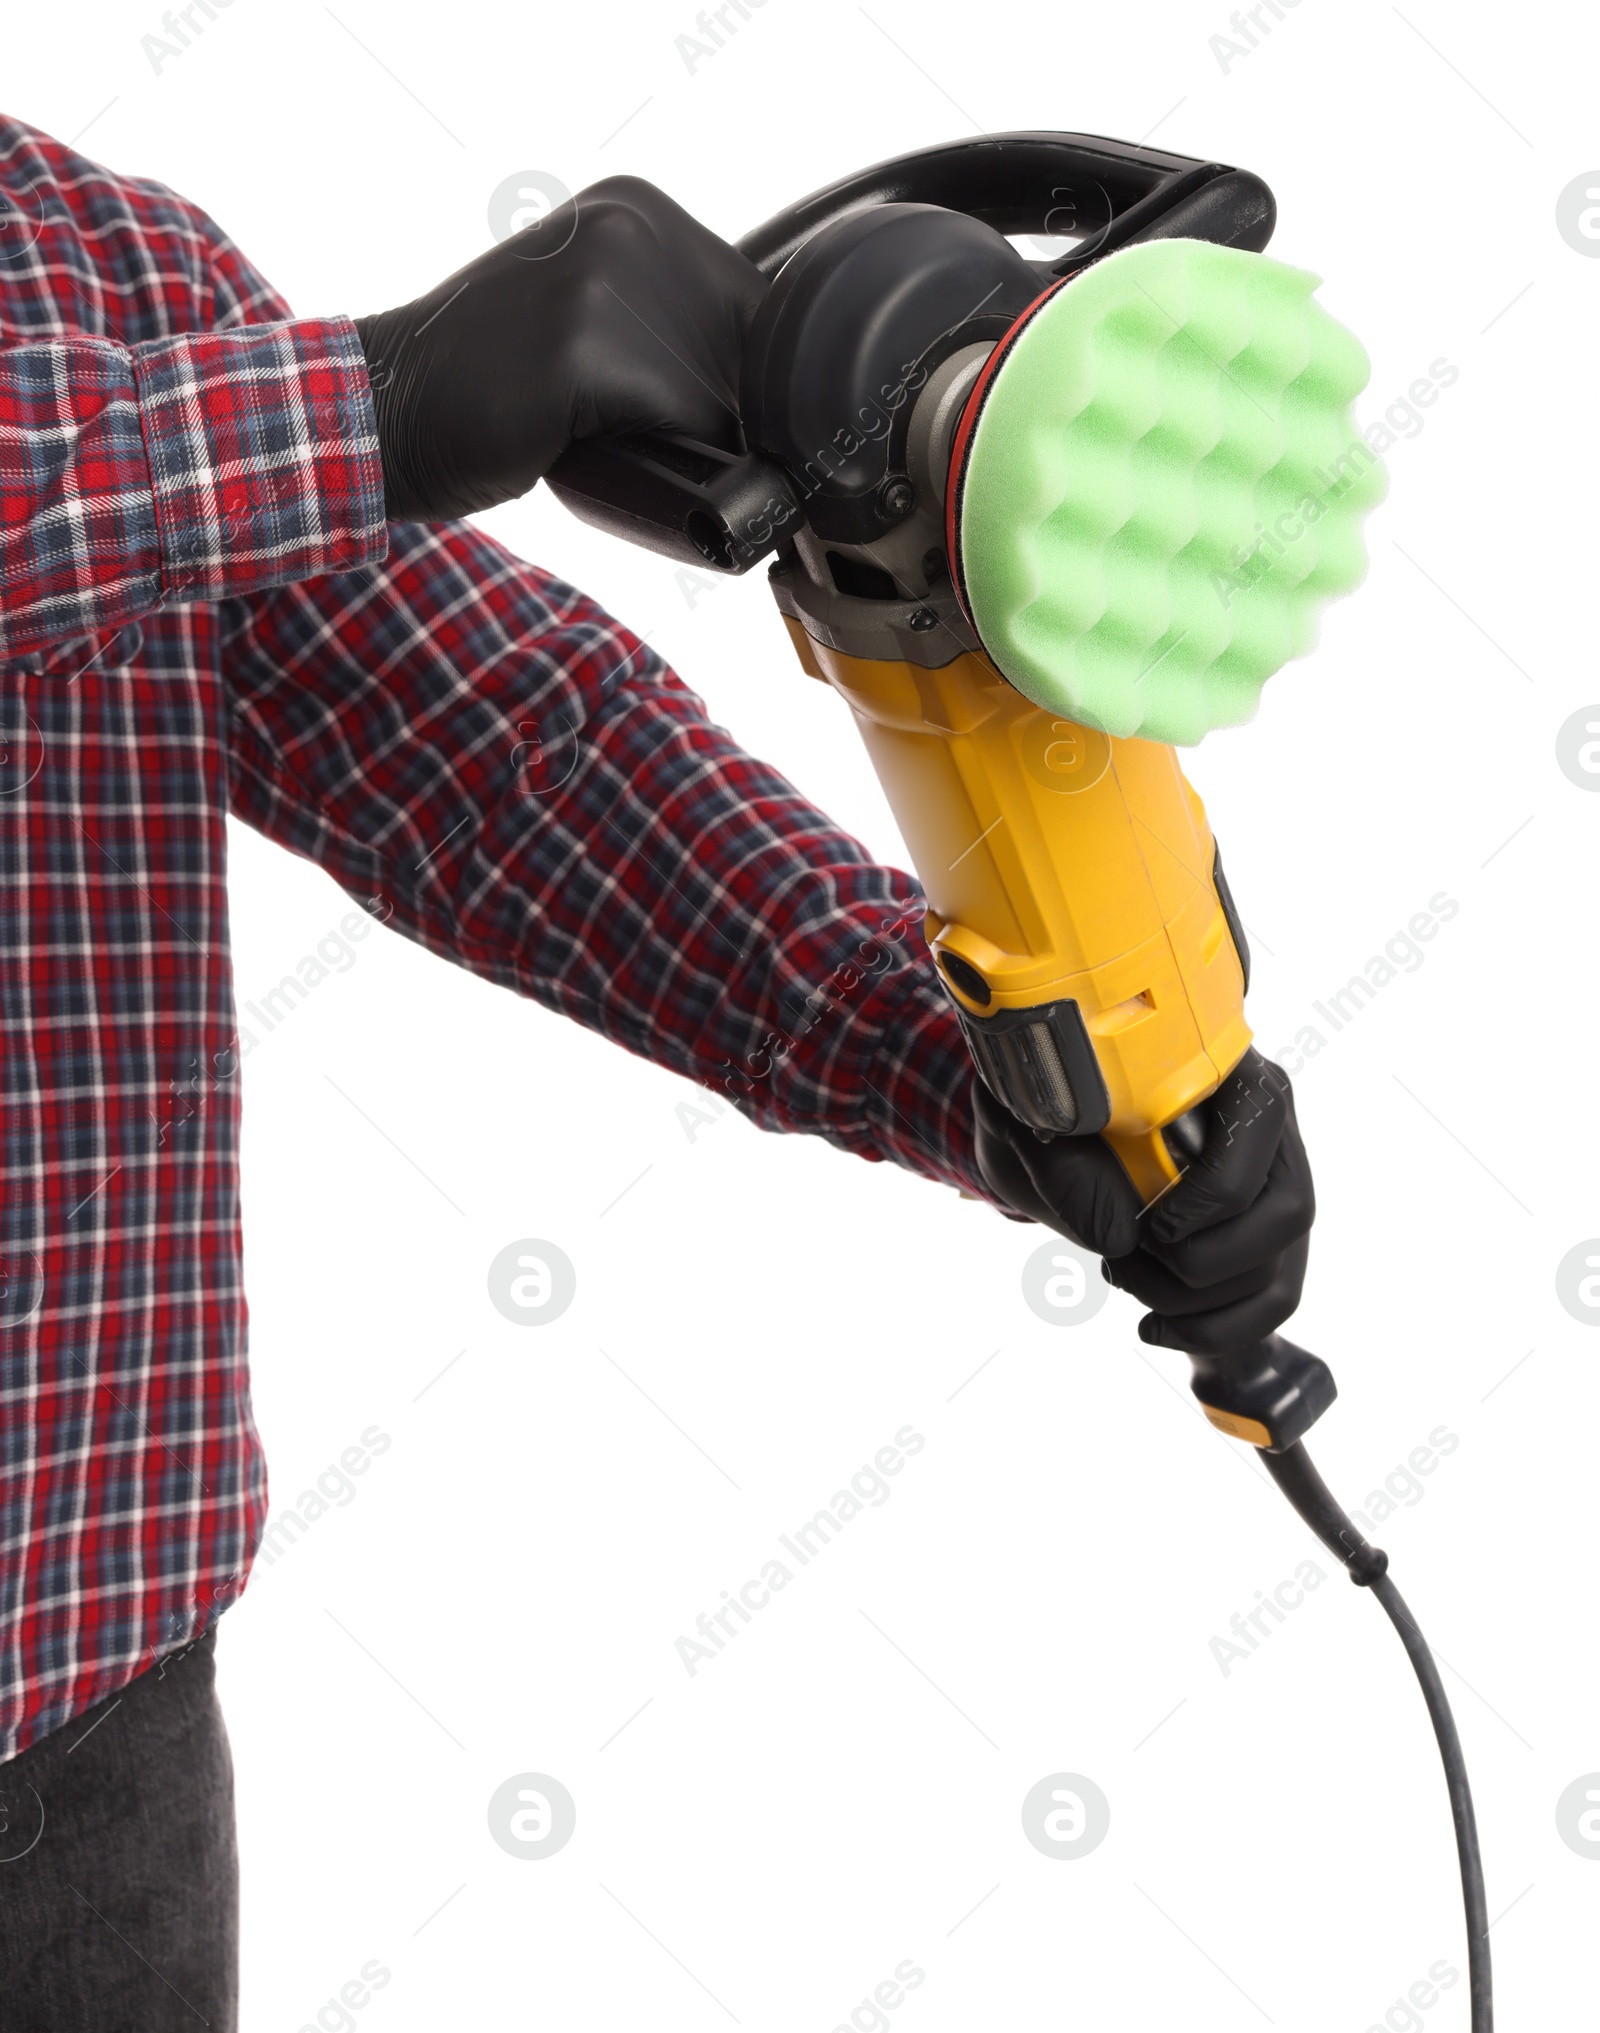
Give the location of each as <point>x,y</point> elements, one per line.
<point>1156,484</point>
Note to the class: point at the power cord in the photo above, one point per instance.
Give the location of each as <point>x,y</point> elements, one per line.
<point>1368,1567</point>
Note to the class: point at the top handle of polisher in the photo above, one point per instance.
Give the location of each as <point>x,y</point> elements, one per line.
<point>709,507</point>
<point>1085,187</point>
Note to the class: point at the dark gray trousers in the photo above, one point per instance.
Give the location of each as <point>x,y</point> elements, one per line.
<point>119,1873</point>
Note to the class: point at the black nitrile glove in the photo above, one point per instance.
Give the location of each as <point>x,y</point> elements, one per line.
<point>1219,1259</point>
<point>616,313</point>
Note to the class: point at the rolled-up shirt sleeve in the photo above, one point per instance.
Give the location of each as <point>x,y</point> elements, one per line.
<point>189,468</point>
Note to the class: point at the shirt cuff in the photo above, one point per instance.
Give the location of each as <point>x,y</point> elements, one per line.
<point>263,456</point>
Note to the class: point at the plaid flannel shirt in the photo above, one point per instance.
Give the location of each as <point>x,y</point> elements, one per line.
<point>202,611</point>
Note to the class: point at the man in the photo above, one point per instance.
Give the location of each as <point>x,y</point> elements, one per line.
<point>231,579</point>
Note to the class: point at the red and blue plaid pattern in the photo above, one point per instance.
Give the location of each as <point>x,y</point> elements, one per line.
<point>200,611</point>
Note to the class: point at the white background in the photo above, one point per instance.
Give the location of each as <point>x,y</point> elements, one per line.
<point>839,1789</point>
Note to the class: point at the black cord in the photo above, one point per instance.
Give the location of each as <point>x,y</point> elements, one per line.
<point>1298,1479</point>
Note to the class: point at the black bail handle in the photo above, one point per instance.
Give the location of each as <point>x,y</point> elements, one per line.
<point>712,507</point>
<point>1102,192</point>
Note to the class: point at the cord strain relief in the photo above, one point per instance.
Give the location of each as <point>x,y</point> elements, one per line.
<point>1367,1565</point>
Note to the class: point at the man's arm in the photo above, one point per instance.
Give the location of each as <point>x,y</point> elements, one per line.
<point>482,755</point>
<point>188,468</point>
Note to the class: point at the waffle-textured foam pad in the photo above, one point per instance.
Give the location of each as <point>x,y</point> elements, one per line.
<point>1156,484</point>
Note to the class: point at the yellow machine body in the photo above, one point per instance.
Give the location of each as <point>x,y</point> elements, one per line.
<point>1059,862</point>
